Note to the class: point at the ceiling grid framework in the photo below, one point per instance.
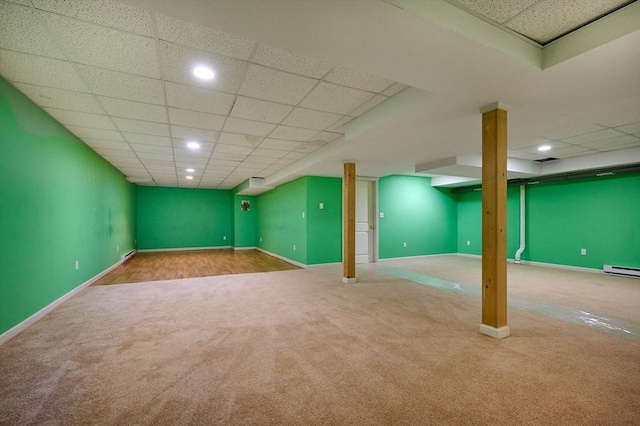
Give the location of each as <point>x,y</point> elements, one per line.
<point>120,79</point>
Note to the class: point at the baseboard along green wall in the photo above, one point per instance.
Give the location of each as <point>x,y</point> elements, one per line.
<point>60,202</point>
<point>182,218</point>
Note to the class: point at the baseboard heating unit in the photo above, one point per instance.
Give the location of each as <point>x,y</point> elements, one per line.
<point>622,270</point>
<point>128,255</point>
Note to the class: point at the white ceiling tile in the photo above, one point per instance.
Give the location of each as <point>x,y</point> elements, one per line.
<point>613,143</point>
<point>179,61</point>
<point>182,144</point>
<point>248,127</point>
<point>497,11</point>
<point>203,38</point>
<point>20,30</point>
<point>222,164</point>
<point>22,2</point>
<point>134,110</point>
<point>307,147</point>
<point>292,133</point>
<point>23,68</point>
<point>156,149</point>
<point>284,60</point>
<point>199,135</point>
<point>264,161</point>
<point>225,156</point>
<point>358,79</point>
<point>97,143</point>
<point>124,86</point>
<point>338,126</point>
<point>117,153</point>
<point>189,153</point>
<point>109,13</point>
<point>630,128</point>
<point>142,180</point>
<point>555,145</point>
<point>86,132</point>
<point>144,127</point>
<point>200,120</point>
<point>254,109</point>
<point>195,161</point>
<point>337,99</point>
<point>547,20</point>
<point>104,47</point>
<point>154,163</point>
<point>592,137</point>
<point>394,89</point>
<point>154,156</point>
<point>376,100</point>
<point>233,149</point>
<point>134,171</point>
<point>276,86</point>
<point>310,119</point>
<point>118,160</point>
<point>271,153</point>
<point>294,155</point>
<point>199,99</point>
<point>146,139</point>
<point>279,144</point>
<point>286,161</point>
<point>82,119</point>
<point>163,170</point>
<point>572,151</point>
<point>61,99</point>
<point>324,137</point>
<point>239,139</point>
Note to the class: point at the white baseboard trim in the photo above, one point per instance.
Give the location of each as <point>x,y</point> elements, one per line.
<point>329,263</point>
<point>244,248</point>
<point>419,256</point>
<point>496,333</point>
<point>543,264</point>
<point>22,326</point>
<point>349,280</point>
<point>286,259</point>
<point>183,249</point>
<point>473,256</point>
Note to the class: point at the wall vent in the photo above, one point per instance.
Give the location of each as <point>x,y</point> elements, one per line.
<point>128,255</point>
<point>622,270</point>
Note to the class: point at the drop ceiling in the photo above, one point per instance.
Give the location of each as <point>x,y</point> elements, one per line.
<point>292,79</point>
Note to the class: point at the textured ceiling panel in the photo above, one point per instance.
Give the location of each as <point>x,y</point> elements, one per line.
<point>325,137</point>
<point>179,61</point>
<point>194,134</point>
<point>21,30</point>
<point>338,126</point>
<point>61,99</point>
<point>376,100</point>
<point>146,139</point>
<point>337,99</point>
<point>311,119</point>
<point>22,68</point>
<point>619,142</point>
<point>139,126</point>
<point>103,47</point>
<point>276,86</point>
<point>203,38</point>
<point>233,149</point>
<point>270,153</point>
<point>279,144</point>
<point>394,89</point>
<point>255,109</point>
<point>200,120</point>
<point>631,128</point>
<point>202,100</point>
<point>82,119</point>
<point>121,85</point>
<point>292,133</point>
<point>85,132</point>
<point>249,127</point>
<point>110,14</point>
<point>284,60</point>
<point>358,79</point>
<point>135,110</point>
<point>498,11</point>
<point>592,137</point>
<point>239,139</point>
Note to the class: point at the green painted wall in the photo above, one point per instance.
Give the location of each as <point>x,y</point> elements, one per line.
<point>416,213</point>
<point>59,202</point>
<point>182,217</point>
<point>601,215</point>
<point>470,222</point>
<point>245,223</point>
<point>280,221</point>
<point>324,227</point>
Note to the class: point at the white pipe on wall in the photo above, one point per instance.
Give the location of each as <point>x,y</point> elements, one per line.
<point>522,224</point>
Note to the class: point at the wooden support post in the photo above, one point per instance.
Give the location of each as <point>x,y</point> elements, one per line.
<point>349,239</point>
<point>494,221</point>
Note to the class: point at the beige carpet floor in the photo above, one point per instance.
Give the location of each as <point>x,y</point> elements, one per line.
<point>301,348</point>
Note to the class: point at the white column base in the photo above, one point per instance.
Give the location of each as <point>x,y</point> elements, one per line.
<point>348,280</point>
<point>496,333</point>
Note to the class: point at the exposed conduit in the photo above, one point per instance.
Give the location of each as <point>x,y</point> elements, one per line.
<point>522,223</point>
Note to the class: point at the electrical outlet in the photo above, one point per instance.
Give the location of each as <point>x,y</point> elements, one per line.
<point>224,237</point>
<point>294,247</point>
<point>404,244</point>
<point>381,215</point>
<point>260,239</point>
<point>321,206</point>
<point>468,242</point>
<point>583,252</point>
<point>77,264</point>
<point>303,215</point>
<point>118,249</point>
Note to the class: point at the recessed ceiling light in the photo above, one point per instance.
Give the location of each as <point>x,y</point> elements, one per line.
<point>193,145</point>
<point>190,170</point>
<point>544,148</point>
<point>203,73</point>
<point>189,177</point>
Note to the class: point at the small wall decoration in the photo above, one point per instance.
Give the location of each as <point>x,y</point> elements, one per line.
<point>245,205</point>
